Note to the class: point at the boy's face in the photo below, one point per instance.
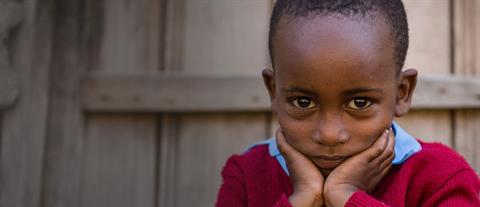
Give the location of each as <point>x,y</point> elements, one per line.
<point>335,88</point>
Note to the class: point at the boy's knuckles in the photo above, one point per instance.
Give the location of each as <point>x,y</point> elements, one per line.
<point>377,150</point>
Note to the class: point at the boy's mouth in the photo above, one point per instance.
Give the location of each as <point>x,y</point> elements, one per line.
<point>328,162</point>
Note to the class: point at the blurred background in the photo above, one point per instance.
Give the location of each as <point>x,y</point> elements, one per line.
<point>139,103</point>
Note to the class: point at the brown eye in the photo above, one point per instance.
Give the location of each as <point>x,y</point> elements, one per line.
<point>359,103</point>
<point>303,102</point>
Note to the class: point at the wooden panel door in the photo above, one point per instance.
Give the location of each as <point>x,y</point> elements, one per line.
<point>140,103</point>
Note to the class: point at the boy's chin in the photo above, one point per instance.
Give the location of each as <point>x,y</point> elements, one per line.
<point>326,172</point>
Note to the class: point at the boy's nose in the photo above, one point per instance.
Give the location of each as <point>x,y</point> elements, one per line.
<point>330,132</point>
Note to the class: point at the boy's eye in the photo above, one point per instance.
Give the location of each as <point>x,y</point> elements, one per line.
<point>359,103</point>
<point>303,102</point>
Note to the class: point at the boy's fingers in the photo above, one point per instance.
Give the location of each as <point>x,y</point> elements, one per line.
<point>389,149</point>
<point>378,147</point>
<point>287,151</point>
<point>385,163</point>
<point>386,170</point>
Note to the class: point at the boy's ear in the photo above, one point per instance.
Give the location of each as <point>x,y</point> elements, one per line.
<point>269,80</point>
<point>406,86</point>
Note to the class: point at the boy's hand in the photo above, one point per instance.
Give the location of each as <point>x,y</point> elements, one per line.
<point>362,171</point>
<point>306,178</point>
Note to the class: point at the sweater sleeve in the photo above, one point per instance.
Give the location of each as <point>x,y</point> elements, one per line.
<point>233,191</point>
<point>461,189</point>
<point>362,199</point>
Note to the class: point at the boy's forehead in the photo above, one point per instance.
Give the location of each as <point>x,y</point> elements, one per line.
<point>356,48</point>
<point>329,32</point>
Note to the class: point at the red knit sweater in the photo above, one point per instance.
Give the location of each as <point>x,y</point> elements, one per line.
<point>435,176</point>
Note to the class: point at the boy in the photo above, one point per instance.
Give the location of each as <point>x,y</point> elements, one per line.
<point>336,86</point>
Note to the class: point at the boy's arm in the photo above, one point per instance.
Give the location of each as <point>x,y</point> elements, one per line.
<point>233,191</point>
<point>461,189</point>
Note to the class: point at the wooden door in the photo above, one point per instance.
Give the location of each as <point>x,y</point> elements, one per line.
<point>139,103</point>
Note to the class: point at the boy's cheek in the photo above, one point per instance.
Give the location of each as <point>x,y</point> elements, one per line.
<point>297,133</point>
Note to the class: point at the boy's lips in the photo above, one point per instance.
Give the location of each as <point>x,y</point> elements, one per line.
<point>328,162</point>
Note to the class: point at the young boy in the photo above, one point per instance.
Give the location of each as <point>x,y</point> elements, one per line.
<point>336,85</point>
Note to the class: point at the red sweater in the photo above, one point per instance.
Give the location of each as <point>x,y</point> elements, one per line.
<point>435,176</point>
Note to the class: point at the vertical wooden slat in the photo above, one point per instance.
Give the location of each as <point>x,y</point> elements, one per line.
<point>204,143</point>
<point>129,38</point>
<point>27,50</point>
<point>173,33</point>
<point>429,52</point>
<point>167,151</point>
<point>425,125</point>
<point>120,151</point>
<point>118,167</point>
<point>225,37</point>
<point>64,145</point>
<point>212,37</point>
<point>467,63</point>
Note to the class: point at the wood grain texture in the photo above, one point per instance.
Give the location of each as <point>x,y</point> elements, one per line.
<point>205,141</point>
<point>211,38</point>
<point>121,151</point>
<point>9,88</point>
<point>65,125</point>
<point>429,49</point>
<point>27,43</point>
<point>11,15</point>
<point>430,53</point>
<point>169,127</point>
<point>225,37</point>
<point>193,93</point>
<point>130,36</point>
<point>118,167</point>
<point>467,63</point>
<point>430,126</point>
<point>467,133</point>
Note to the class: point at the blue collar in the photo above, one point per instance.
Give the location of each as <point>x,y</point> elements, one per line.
<point>405,146</point>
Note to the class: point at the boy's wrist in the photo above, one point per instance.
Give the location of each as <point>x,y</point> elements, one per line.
<point>339,195</point>
<point>306,199</point>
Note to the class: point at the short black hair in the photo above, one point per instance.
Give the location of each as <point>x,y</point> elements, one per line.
<point>392,10</point>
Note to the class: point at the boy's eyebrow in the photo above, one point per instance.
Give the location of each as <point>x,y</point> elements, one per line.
<point>348,92</point>
<point>297,90</point>
<point>354,91</point>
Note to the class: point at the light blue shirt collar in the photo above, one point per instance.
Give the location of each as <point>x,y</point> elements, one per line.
<point>405,146</point>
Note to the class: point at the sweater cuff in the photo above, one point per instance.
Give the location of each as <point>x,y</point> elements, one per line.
<point>283,202</point>
<point>362,199</point>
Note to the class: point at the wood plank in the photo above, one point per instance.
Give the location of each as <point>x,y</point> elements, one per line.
<point>430,53</point>
<point>467,63</point>
<point>167,160</point>
<point>131,39</point>
<point>429,49</point>
<point>190,93</point>
<point>467,131</point>
<point>119,167</point>
<point>225,37</point>
<point>65,124</point>
<point>208,38</point>
<point>205,141</point>
<point>23,127</point>
<point>128,35</point>
<point>11,15</point>
<point>9,87</point>
<point>427,125</point>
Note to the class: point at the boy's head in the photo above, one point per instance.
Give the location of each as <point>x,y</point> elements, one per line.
<point>392,11</point>
<point>337,82</point>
